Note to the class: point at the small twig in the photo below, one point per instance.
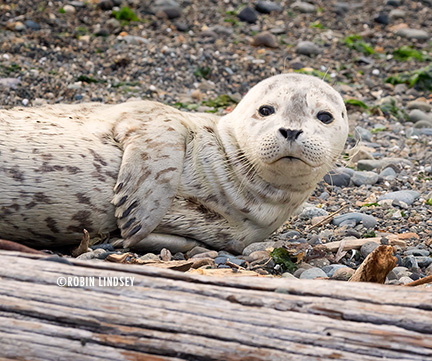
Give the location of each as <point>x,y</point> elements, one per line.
<point>233,265</point>
<point>330,216</point>
<point>420,281</point>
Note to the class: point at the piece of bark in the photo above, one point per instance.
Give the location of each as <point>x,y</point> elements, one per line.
<point>357,243</point>
<point>83,246</point>
<point>376,266</point>
<point>13,246</point>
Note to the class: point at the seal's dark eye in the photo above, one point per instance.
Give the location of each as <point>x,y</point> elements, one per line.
<point>325,117</point>
<point>266,110</point>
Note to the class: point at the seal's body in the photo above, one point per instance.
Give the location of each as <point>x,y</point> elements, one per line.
<point>167,178</point>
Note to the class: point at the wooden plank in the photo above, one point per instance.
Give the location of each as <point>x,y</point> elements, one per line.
<point>169,315</point>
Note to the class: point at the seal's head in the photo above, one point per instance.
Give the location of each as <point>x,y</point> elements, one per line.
<point>291,128</point>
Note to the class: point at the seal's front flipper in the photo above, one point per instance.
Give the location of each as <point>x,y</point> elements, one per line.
<point>149,175</point>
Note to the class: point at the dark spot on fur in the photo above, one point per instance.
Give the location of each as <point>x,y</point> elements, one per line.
<point>52,224</point>
<point>143,177</point>
<point>84,220</point>
<point>17,174</point>
<point>41,198</point>
<point>97,157</point>
<point>47,156</point>
<point>245,210</point>
<point>163,171</point>
<point>73,170</point>
<point>82,198</point>
<point>31,205</point>
<point>112,175</point>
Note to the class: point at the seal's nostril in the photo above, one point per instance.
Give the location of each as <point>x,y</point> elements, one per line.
<point>290,134</point>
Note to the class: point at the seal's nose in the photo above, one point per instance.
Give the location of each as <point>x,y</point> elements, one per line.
<point>290,134</point>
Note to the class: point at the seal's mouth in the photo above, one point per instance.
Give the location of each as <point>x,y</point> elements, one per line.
<point>291,159</point>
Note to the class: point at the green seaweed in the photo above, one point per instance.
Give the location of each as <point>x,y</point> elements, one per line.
<point>125,14</point>
<point>281,257</point>
<point>355,42</point>
<point>356,102</point>
<point>420,79</point>
<point>405,53</point>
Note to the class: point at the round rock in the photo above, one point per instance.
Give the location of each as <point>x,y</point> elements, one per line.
<point>248,15</point>
<point>312,273</point>
<point>406,196</point>
<point>364,177</point>
<point>266,7</point>
<point>308,48</point>
<point>367,220</point>
<point>367,248</point>
<point>416,115</point>
<point>303,7</point>
<point>266,38</point>
<point>413,34</point>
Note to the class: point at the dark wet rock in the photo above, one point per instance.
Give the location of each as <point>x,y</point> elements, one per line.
<point>30,24</point>
<point>367,248</point>
<point>371,164</point>
<point>382,18</point>
<point>248,15</point>
<point>338,178</point>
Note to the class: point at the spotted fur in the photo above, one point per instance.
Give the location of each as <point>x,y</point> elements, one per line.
<point>166,178</point>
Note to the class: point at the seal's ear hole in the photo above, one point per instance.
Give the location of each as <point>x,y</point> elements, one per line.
<point>266,110</point>
<point>325,117</point>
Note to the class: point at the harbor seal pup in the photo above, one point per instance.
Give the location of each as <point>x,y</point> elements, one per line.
<point>168,178</point>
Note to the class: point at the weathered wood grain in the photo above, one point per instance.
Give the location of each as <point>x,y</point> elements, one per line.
<point>169,315</point>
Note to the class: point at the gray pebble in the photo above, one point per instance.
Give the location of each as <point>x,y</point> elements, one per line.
<point>311,212</point>
<point>424,261</point>
<point>371,164</point>
<point>319,262</point>
<point>394,2</point>
<point>303,7</point>
<point>364,177</point>
<point>266,7</point>
<point>257,246</point>
<point>416,114</point>
<point>410,262</point>
<point>406,196</point>
<point>397,14</point>
<point>150,256</point>
<point>367,220</point>
<point>9,83</point>
<point>312,273</point>
<point>416,104</point>
<point>368,248</point>
<point>288,275</point>
<point>417,252</point>
<point>170,7</point>
<point>388,173</point>
<point>398,272</point>
<point>331,269</point>
<point>308,48</point>
<point>362,134</point>
<point>413,34</point>
<point>221,260</point>
<point>423,124</point>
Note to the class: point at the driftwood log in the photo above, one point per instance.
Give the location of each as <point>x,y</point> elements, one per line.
<point>170,315</point>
